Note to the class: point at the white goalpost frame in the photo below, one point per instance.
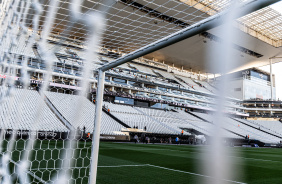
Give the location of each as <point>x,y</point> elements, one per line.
<point>97,127</point>
<point>206,24</point>
<point>194,29</point>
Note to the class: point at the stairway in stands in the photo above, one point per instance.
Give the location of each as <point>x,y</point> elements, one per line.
<point>115,118</point>
<point>58,114</point>
<point>257,128</point>
<point>205,120</point>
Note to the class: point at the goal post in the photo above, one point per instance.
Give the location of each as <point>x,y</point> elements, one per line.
<point>49,62</point>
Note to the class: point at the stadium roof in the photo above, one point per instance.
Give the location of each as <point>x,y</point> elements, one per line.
<point>259,38</point>
<point>132,24</point>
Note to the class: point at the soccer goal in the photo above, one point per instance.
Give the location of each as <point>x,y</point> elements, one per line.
<point>53,59</point>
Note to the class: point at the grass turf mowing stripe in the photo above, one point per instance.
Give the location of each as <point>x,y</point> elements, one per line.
<point>193,173</point>
<point>257,159</point>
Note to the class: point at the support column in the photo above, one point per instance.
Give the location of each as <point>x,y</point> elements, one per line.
<point>97,126</point>
<point>271,80</point>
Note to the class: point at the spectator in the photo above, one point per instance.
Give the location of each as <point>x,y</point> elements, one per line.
<point>154,140</point>
<point>169,140</point>
<point>136,138</point>
<point>147,140</point>
<point>84,130</point>
<point>177,140</point>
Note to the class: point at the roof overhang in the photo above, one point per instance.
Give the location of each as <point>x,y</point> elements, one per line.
<point>195,53</point>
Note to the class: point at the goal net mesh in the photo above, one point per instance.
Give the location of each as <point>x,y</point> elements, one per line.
<point>50,47</point>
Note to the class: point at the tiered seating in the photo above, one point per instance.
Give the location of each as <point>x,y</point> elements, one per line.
<point>274,127</point>
<point>193,84</point>
<point>207,86</point>
<point>143,69</point>
<point>166,118</point>
<point>26,110</point>
<point>133,117</point>
<point>253,133</point>
<point>80,112</point>
<point>21,47</point>
<point>242,129</point>
<point>203,126</point>
<point>171,76</point>
<point>51,55</point>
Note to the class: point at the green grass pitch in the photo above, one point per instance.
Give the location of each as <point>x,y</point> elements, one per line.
<point>122,163</point>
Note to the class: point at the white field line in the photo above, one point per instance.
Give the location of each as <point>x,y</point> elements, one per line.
<point>185,172</point>
<point>141,165</point>
<point>195,174</point>
<point>124,165</point>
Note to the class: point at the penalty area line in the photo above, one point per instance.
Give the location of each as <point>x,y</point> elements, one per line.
<point>195,174</point>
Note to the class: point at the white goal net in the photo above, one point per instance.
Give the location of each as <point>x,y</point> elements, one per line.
<point>49,54</point>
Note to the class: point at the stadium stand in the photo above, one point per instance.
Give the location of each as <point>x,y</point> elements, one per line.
<point>242,129</point>
<point>274,127</point>
<point>134,118</point>
<point>163,117</point>
<point>24,50</point>
<point>201,125</point>
<point>19,111</point>
<point>159,121</point>
<point>194,85</point>
<point>63,101</point>
<point>144,69</point>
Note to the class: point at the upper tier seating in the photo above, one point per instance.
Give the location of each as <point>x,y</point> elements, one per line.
<point>143,69</point>
<point>207,86</point>
<point>172,77</point>
<point>194,85</point>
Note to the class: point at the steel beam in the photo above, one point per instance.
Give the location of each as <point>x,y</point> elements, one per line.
<point>271,79</point>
